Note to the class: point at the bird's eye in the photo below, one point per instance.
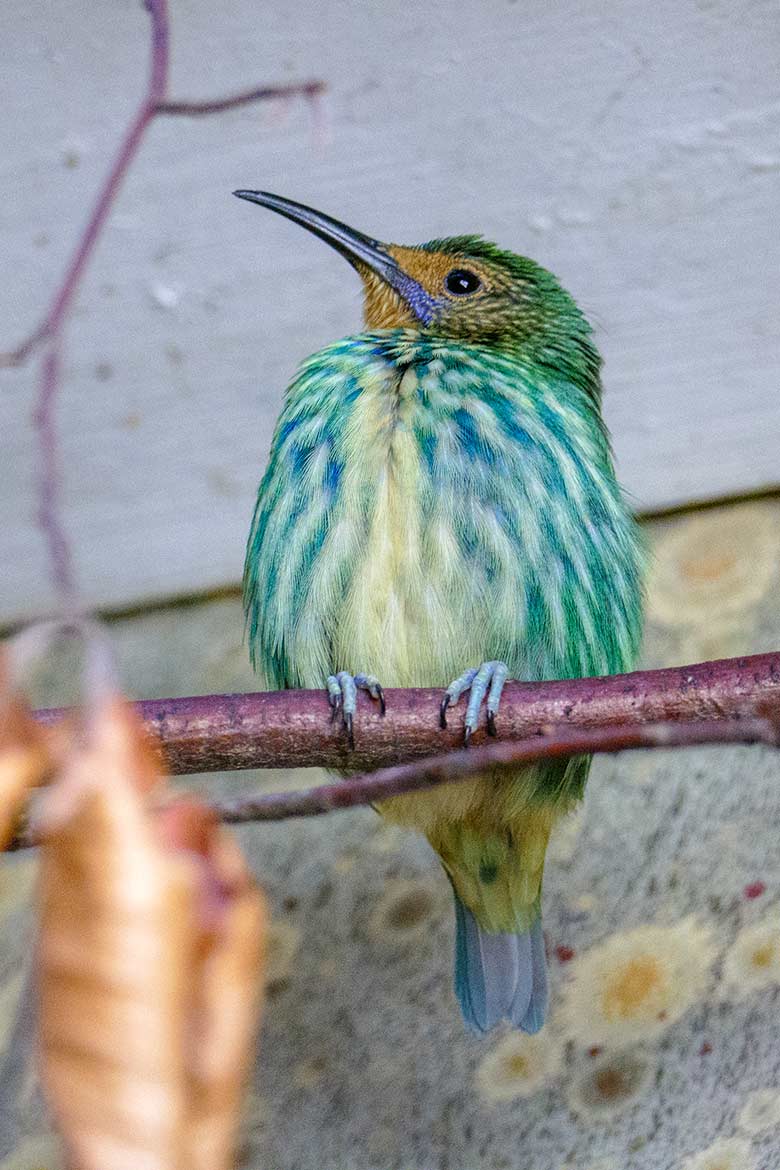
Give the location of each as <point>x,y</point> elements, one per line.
<point>462,283</point>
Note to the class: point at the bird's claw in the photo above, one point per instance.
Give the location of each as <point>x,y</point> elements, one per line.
<point>342,691</point>
<point>334,696</point>
<point>367,682</point>
<point>476,680</point>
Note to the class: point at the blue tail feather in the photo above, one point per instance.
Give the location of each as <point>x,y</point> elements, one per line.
<point>499,976</point>
<point>536,1014</point>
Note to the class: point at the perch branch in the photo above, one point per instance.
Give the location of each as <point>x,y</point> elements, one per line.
<point>49,331</point>
<point>291,729</point>
<point>730,701</point>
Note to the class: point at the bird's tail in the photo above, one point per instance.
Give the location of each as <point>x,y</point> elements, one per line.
<point>499,975</point>
<point>495,865</point>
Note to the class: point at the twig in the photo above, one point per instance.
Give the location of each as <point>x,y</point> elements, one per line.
<point>49,331</point>
<point>50,480</point>
<point>308,89</point>
<point>497,758</point>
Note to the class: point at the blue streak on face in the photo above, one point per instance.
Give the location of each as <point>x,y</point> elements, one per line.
<point>419,301</point>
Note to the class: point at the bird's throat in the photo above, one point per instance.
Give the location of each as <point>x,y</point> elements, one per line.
<point>383,308</point>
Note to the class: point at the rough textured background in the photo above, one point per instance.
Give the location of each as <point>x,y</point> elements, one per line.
<point>631,147</point>
<point>662,914</point>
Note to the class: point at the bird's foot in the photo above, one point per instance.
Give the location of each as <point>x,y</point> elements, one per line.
<point>342,696</point>
<point>477,680</point>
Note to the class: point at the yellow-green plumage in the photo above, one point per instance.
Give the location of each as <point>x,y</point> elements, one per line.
<point>440,492</point>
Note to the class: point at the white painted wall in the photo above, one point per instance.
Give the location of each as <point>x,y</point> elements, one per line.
<point>633,148</point>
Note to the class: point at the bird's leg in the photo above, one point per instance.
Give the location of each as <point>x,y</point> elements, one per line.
<point>477,680</point>
<point>342,696</point>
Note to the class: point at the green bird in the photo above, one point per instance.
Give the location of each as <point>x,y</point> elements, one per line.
<point>440,491</point>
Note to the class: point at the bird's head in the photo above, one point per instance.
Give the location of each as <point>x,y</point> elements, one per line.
<point>463,288</point>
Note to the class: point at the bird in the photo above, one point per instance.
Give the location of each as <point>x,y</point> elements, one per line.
<point>440,509</point>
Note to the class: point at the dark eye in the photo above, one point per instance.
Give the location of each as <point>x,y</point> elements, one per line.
<point>461,283</point>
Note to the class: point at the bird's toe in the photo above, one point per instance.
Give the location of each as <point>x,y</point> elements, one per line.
<point>342,689</point>
<point>487,679</point>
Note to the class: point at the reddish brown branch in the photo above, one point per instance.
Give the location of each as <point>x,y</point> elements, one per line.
<point>729,701</point>
<point>49,331</point>
<point>288,729</point>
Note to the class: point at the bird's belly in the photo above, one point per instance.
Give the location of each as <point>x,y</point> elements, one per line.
<point>397,628</point>
<point>412,613</point>
<point>440,550</point>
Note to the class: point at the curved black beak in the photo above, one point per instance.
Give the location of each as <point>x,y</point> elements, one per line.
<point>360,250</point>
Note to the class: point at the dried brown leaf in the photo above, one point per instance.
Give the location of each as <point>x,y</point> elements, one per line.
<point>148,958</point>
<point>225,996</point>
<point>24,755</point>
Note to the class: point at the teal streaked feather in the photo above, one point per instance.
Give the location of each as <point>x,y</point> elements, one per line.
<point>520,527</point>
<point>430,504</point>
